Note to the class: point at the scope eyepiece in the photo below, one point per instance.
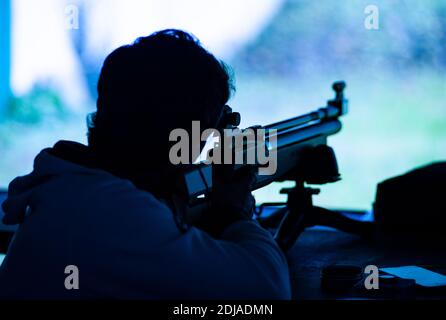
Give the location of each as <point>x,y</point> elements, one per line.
<point>229,119</point>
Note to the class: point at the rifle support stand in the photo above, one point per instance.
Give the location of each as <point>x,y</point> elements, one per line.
<point>296,218</point>
<point>319,167</point>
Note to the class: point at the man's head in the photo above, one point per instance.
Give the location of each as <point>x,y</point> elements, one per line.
<point>147,89</point>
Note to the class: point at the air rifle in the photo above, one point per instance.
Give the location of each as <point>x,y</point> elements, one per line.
<point>303,156</point>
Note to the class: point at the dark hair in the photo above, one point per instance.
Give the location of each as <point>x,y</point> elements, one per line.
<point>147,89</point>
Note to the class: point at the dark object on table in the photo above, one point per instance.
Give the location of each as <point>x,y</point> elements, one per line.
<point>390,288</point>
<point>412,205</point>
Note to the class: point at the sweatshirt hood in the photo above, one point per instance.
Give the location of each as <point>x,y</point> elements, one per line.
<point>49,163</point>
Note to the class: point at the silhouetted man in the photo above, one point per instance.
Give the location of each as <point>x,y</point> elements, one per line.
<point>96,221</point>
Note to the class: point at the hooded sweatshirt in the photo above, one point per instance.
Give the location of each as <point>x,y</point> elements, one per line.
<point>85,233</point>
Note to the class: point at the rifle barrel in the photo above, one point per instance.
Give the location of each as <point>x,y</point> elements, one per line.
<point>321,114</point>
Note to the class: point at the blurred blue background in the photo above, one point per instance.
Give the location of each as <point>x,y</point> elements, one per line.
<point>285,55</point>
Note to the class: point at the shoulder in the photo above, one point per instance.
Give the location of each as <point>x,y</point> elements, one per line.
<point>119,211</point>
<point>116,193</point>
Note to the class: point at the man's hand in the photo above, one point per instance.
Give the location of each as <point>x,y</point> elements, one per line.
<point>231,199</point>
